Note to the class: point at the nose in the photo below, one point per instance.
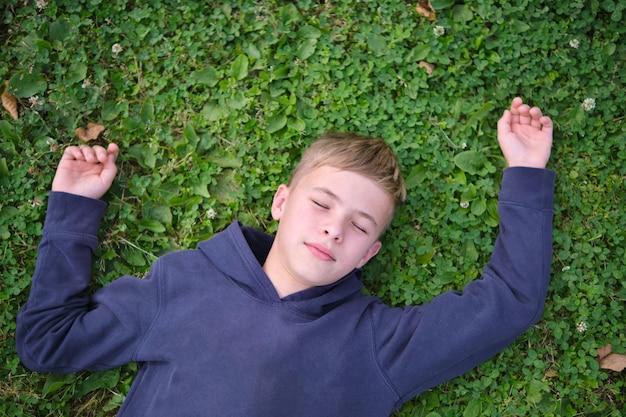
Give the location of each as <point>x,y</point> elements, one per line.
<point>334,230</point>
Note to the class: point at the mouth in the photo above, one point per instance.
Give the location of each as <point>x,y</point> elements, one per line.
<point>321,252</point>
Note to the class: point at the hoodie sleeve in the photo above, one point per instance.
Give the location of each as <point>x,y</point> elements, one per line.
<point>423,346</point>
<point>63,329</point>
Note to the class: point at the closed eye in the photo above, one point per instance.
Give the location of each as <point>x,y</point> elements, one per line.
<point>360,228</point>
<point>321,205</point>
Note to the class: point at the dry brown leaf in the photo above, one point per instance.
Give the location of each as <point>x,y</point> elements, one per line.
<point>91,133</point>
<point>9,102</point>
<point>604,351</point>
<point>428,66</point>
<point>612,361</point>
<point>425,9</point>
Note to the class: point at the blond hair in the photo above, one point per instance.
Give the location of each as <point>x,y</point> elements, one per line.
<point>370,157</point>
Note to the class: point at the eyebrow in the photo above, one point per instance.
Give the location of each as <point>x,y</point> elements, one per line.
<point>335,197</point>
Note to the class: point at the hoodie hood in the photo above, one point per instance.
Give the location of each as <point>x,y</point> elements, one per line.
<point>239,252</point>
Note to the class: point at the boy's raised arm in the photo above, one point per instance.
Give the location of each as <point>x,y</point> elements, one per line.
<point>63,328</point>
<point>86,171</point>
<point>423,346</point>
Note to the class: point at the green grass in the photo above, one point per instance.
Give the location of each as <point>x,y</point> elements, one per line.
<point>212,105</point>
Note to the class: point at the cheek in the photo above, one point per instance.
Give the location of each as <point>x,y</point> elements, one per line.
<point>369,249</point>
<point>300,217</point>
<point>307,214</point>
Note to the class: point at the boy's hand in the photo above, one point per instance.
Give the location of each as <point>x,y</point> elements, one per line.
<point>86,171</point>
<point>525,136</point>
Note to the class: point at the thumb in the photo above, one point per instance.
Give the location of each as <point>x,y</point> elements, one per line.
<point>504,124</point>
<point>110,169</point>
<point>113,150</point>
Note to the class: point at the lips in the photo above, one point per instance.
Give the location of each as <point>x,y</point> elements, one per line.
<point>320,251</point>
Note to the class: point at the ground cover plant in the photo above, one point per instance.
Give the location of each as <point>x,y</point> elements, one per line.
<point>212,102</point>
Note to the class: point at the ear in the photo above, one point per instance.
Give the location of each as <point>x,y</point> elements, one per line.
<point>278,204</point>
<point>373,250</point>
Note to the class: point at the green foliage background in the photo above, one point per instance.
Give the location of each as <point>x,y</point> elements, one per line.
<point>212,103</point>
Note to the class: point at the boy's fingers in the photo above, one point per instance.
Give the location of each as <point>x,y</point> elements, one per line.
<point>535,114</point>
<point>89,153</point>
<point>514,116</point>
<point>516,102</point>
<point>101,154</point>
<point>515,105</point>
<point>546,124</point>
<point>72,152</point>
<point>524,114</point>
<point>96,154</point>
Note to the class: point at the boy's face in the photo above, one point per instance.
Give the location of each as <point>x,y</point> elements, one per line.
<point>329,224</point>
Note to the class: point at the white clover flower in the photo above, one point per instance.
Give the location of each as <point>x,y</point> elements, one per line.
<point>42,4</point>
<point>464,204</point>
<point>464,145</point>
<point>53,144</point>
<point>86,83</point>
<point>588,104</point>
<point>574,43</point>
<point>116,48</point>
<point>35,101</point>
<point>211,214</point>
<point>565,268</point>
<point>581,327</point>
<point>439,31</point>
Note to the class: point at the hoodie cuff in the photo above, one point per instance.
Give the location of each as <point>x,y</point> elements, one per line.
<point>72,213</point>
<point>532,187</point>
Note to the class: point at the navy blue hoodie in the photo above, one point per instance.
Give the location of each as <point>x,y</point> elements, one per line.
<point>213,338</point>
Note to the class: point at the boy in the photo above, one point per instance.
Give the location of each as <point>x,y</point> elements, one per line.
<point>247,325</point>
